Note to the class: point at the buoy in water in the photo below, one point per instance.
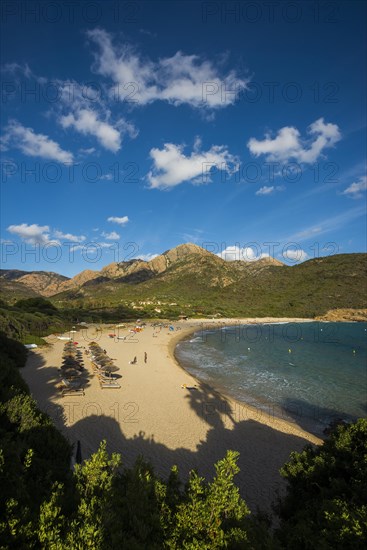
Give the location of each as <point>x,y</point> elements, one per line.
<point>289,351</point>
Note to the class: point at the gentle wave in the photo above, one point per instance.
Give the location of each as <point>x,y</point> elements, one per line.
<point>309,373</point>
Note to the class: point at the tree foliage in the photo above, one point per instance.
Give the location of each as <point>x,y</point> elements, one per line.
<point>326,503</point>
<point>102,506</point>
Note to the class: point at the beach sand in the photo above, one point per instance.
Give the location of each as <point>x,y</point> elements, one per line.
<point>154,416</point>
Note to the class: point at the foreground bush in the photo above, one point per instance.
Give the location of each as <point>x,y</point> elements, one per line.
<point>100,506</point>
<point>326,503</point>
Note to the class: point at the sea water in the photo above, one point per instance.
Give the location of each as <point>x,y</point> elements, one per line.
<point>307,373</point>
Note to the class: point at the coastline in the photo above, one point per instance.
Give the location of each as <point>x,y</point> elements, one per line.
<point>248,410</point>
<point>156,415</point>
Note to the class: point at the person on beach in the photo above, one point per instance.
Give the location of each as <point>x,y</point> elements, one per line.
<point>133,362</point>
<point>145,357</point>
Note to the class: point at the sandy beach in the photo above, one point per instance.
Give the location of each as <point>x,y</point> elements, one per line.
<point>153,414</point>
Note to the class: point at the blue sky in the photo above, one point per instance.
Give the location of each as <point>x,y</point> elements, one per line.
<point>131,127</point>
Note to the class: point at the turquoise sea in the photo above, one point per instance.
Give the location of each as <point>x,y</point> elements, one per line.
<point>307,373</point>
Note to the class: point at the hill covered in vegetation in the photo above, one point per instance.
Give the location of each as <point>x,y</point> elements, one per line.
<point>190,280</point>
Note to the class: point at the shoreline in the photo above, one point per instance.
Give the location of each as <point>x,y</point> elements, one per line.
<point>163,413</point>
<point>255,412</point>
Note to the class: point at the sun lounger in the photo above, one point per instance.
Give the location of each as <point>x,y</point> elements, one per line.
<point>104,376</point>
<point>72,391</point>
<point>106,384</point>
<point>71,387</point>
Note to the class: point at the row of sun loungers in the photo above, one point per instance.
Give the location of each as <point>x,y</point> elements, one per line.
<point>72,368</point>
<point>71,371</point>
<point>102,366</point>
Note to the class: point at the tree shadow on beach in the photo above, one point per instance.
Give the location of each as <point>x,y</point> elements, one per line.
<point>49,383</point>
<point>263,449</point>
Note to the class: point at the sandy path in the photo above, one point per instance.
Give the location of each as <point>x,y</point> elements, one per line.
<point>151,414</point>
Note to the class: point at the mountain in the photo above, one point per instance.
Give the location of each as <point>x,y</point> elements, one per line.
<point>33,283</point>
<point>189,279</point>
<point>135,271</point>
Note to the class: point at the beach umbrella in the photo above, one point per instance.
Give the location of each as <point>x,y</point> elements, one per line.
<point>70,365</point>
<point>101,355</point>
<point>111,368</point>
<point>105,360</point>
<point>69,360</point>
<point>70,372</point>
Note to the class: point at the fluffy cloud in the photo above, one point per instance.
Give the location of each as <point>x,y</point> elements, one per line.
<point>17,68</point>
<point>86,122</point>
<point>245,254</point>
<point>113,236</point>
<point>82,108</point>
<point>295,255</point>
<point>268,190</point>
<point>172,167</point>
<point>178,79</point>
<point>69,237</point>
<point>355,190</point>
<point>40,234</point>
<point>32,234</point>
<point>32,144</point>
<point>288,144</point>
<point>116,219</point>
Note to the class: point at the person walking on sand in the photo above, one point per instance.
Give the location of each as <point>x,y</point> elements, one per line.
<point>145,357</point>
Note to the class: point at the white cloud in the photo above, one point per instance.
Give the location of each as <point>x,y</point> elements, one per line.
<point>288,144</point>
<point>87,151</point>
<point>87,122</point>
<point>355,190</point>
<point>244,254</point>
<point>32,234</point>
<point>105,245</point>
<point>146,257</point>
<point>172,167</point>
<point>92,247</point>
<point>34,145</point>
<point>295,255</point>
<point>326,225</point>
<point>82,108</point>
<point>16,68</point>
<point>310,232</point>
<point>113,236</point>
<point>69,237</point>
<point>116,219</point>
<point>178,79</point>
<point>268,190</point>
<point>40,234</point>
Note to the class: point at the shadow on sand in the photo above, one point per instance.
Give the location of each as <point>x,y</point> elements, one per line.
<point>263,450</point>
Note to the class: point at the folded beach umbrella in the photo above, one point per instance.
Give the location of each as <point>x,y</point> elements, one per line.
<point>104,364</point>
<point>66,366</point>
<point>73,360</point>
<point>111,368</point>
<point>70,372</point>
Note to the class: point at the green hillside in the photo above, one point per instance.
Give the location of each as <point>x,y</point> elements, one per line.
<point>204,284</point>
